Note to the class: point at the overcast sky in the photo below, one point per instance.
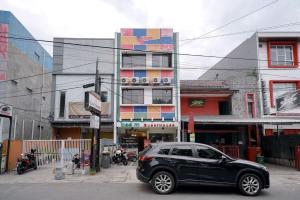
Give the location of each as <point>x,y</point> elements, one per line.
<point>46,19</point>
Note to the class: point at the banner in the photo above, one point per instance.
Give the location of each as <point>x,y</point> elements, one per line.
<point>289,103</point>
<point>77,110</point>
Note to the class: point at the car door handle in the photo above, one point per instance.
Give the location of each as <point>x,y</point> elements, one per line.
<point>170,160</point>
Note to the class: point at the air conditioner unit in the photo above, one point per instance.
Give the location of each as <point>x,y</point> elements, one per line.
<point>167,81</point>
<point>145,80</point>
<point>156,81</point>
<point>124,80</point>
<point>135,80</point>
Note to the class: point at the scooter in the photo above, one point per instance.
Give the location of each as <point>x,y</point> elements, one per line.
<point>120,157</point>
<point>26,162</point>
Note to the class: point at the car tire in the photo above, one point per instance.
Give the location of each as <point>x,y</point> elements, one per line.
<point>250,184</point>
<point>163,182</point>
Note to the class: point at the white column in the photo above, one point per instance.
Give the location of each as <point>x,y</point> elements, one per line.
<point>32,129</point>
<point>15,126</point>
<point>1,126</point>
<point>23,129</point>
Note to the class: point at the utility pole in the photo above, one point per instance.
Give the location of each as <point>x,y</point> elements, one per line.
<point>95,142</point>
<point>41,102</point>
<point>98,91</point>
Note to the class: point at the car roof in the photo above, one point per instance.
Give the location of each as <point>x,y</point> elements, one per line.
<point>178,143</point>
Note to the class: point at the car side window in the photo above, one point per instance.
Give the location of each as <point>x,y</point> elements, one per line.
<point>207,153</point>
<point>164,150</point>
<point>182,150</point>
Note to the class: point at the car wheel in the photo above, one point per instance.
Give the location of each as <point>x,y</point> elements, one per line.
<point>163,182</point>
<point>250,184</point>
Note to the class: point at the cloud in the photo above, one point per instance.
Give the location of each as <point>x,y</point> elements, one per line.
<point>93,18</point>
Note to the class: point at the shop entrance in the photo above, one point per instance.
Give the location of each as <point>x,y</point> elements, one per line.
<point>133,139</point>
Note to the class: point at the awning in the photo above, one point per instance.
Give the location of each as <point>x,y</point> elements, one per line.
<point>245,121</point>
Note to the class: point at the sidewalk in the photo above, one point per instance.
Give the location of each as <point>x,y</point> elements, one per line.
<point>126,174</point>
<point>115,174</point>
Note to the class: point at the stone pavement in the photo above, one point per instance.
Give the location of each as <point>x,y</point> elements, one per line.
<point>126,174</point>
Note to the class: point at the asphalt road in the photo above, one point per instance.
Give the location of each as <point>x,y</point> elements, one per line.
<point>132,191</point>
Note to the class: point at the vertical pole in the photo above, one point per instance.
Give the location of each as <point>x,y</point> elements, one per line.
<point>8,144</point>
<point>62,149</point>
<point>41,102</point>
<point>15,126</point>
<point>32,129</point>
<point>98,91</point>
<point>23,129</point>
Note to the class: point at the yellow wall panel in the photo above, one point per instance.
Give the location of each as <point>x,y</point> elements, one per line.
<point>126,115</point>
<point>125,40</point>
<point>153,33</point>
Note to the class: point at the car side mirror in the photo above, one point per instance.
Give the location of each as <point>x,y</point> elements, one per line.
<point>223,159</point>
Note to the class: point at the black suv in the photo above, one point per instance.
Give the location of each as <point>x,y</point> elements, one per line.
<point>167,165</point>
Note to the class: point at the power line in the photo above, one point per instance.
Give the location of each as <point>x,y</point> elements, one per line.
<point>145,51</point>
<point>234,20</point>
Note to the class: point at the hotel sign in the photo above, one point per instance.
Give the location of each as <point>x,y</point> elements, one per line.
<point>147,124</point>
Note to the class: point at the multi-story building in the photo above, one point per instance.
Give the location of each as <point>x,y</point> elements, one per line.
<point>24,81</point>
<point>265,69</point>
<point>74,66</point>
<point>147,103</point>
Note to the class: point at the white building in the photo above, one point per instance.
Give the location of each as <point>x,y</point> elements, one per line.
<point>75,66</point>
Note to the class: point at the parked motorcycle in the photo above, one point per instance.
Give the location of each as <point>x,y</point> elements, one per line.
<point>132,156</point>
<point>26,162</point>
<point>76,161</point>
<point>120,157</point>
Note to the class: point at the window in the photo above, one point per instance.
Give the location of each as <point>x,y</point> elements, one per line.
<point>182,150</point>
<point>224,108</point>
<point>62,104</point>
<point>164,150</point>
<point>208,153</point>
<point>162,96</point>
<point>133,96</point>
<point>134,60</point>
<point>282,54</point>
<point>279,89</point>
<point>104,96</point>
<point>162,60</point>
<point>250,101</point>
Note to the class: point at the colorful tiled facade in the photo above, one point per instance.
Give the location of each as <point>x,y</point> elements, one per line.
<point>149,46</point>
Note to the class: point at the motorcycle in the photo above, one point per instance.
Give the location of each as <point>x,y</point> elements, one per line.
<point>132,156</point>
<point>76,161</point>
<point>120,157</point>
<point>26,162</point>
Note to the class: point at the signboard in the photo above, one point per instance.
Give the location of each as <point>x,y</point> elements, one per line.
<point>289,103</point>
<point>94,122</point>
<point>92,102</point>
<point>196,102</point>
<point>78,111</point>
<point>147,124</point>
<point>5,110</point>
<point>192,137</point>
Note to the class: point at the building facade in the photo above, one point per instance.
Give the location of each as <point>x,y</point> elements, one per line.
<point>147,86</point>
<point>24,81</point>
<point>75,66</point>
<point>265,69</point>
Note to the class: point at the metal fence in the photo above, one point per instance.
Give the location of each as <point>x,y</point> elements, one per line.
<point>53,151</point>
<point>231,150</point>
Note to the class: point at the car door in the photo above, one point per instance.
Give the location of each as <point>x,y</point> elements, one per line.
<point>210,168</point>
<point>182,159</point>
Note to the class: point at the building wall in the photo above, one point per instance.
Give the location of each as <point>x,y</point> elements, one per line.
<point>210,107</point>
<point>239,71</point>
<point>270,74</point>
<point>75,66</point>
<point>26,105</point>
<point>65,82</point>
<point>160,40</point>
<point>31,49</point>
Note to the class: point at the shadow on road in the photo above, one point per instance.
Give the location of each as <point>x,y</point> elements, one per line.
<point>198,190</point>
